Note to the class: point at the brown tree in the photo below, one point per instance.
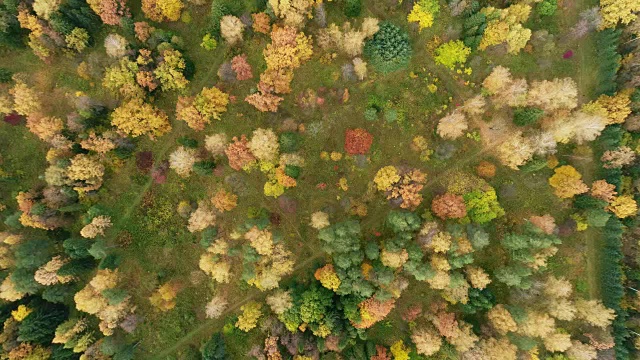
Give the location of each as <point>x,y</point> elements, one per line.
<point>449,206</point>
<point>241,67</point>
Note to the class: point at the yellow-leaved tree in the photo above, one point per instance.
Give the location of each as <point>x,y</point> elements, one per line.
<point>251,312</point>
<point>615,11</point>
<point>197,111</point>
<point>162,10</point>
<point>136,118</point>
<point>567,182</point>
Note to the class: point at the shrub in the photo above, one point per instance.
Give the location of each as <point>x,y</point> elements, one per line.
<point>352,8</point>
<point>289,142</point>
<point>389,49</point>
<point>5,75</point>
<point>214,348</point>
<point>204,167</point>
<point>547,7</point>
<point>371,114</point>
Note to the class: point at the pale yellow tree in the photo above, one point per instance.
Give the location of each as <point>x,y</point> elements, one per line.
<point>537,324</point>
<point>293,12</point>
<point>182,160</point>
<point>554,95</point>
<point>594,312</point>
<point>557,342</point>
<point>216,307</point>
<point>280,301</point>
<point>478,278</point>
<point>202,218</point>
<point>96,227</point>
<point>426,340</point>
<point>501,320</point>
<point>231,29</point>
<point>452,126</point>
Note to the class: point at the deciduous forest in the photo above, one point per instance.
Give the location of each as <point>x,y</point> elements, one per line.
<point>319,179</point>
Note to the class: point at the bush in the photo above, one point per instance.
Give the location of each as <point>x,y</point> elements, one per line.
<point>188,142</point>
<point>204,167</point>
<point>527,115</point>
<point>293,171</point>
<point>391,115</point>
<point>534,165</point>
<point>547,7</point>
<point>371,114</point>
<point>389,49</point>
<point>214,349</point>
<point>352,8</point>
<point>289,142</point>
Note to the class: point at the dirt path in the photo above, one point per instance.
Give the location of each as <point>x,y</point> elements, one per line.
<point>211,325</point>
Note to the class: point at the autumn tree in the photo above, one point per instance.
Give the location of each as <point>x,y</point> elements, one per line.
<point>501,320</point>
<point>198,111</point>
<point>567,182</point>
<point>426,340</point>
<point>319,220</point>
<point>546,223</point>
<point>162,10</point>
<point>216,143</point>
<point>100,297</point>
<point>261,22</point>
<point>111,12</point>
<point>241,67</point>
<point>164,298</point>
<point>248,320</point>
<point>478,278</point>
<point>216,307</point>
<point>201,218</point>
<point>137,117</point>
<point>452,126</point>
<point>44,127</point>
<point>280,301</point>
<point>424,12</point>
<point>623,206</point>
<point>294,13</point>
<point>594,312</point>
<point>231,29</point>
<point>451,53</point>
<point>601,189</point>
<point>87,169</point>
<point>96,227</point>
<point>26,99</point>
<point>170,70</point>
<point>615,109</point>
<point>239,154</point>
<point>357,141</point>
<point>449,206</point>
<point>264,102</point>
<point>264,144</point>
<point>554,95</point>
<point>617,158</point>
<point>328,277</point>
<point>618,11</point>
<point>224,200</point>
